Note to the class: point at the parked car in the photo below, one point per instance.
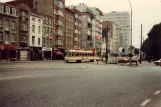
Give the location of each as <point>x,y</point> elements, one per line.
<point>157,62</point>
<point>122,60</point>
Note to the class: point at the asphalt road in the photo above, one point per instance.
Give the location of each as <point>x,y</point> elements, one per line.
<point>79,85</point>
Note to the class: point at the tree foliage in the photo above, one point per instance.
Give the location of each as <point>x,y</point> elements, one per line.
<point>152,45</point>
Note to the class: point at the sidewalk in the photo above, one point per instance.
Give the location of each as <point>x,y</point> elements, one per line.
<point>12,62</point>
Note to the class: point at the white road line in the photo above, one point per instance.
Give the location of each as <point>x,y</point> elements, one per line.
<point>21,77</point>
<point>145,102</point>
<point>157,92</point>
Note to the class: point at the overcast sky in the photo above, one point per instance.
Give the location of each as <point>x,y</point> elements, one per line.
<point>146,12</point>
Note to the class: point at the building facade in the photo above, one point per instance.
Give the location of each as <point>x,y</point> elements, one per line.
<point>70,30</point>
<point>97,29</point>
<point>8,31</point>
<point>87,39</point>
<point>59,25</point>
<point>122,19</point>
<point>35,37</point>
<point>77,29</point>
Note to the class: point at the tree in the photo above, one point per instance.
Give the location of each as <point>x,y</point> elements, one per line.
<point>152,45</point>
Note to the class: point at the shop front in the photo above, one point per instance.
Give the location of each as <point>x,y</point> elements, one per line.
<point>47,53</point>
<point>23,53</point>
<point>36,53</point>
<point>8,52</point>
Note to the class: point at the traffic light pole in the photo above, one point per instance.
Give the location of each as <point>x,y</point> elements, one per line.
<point>141,44</point>
<point>107,46</point>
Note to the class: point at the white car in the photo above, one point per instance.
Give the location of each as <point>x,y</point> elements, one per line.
<point>157,62</point>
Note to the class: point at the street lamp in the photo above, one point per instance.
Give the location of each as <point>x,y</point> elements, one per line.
<point>131,33</point>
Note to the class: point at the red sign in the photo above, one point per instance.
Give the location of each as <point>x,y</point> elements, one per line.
<point>5,47</point>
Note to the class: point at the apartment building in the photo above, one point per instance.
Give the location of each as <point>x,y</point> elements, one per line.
<point>87,40</point>
<point>35,36</point>
<point>70,30</point>
<point>59,26</point>
<point>97,29</point>
<point>77,29</point>
<point>8,31</point>
<point>45,9</point>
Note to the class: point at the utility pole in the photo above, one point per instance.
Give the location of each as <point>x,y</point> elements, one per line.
<point>141,44</point>
<point>107,45</point>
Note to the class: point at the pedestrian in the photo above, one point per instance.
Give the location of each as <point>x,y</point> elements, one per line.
<point>136,60</point>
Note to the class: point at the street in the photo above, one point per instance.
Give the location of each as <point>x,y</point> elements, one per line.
<point>59,84</point>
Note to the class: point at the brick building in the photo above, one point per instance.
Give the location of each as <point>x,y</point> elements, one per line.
<point>78,29</point>
<point>8,31</point>
<point>59,28</point>
<point>69,34</point>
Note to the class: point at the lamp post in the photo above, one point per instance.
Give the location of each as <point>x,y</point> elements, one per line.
<point>131,33</point>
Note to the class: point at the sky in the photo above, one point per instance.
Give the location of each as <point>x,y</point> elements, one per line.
<point>144,11</point>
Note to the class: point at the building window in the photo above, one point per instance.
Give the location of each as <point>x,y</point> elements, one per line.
<point>7,37</point>
<point>7,10</point>
<point>43,42</point>
<point>1,8</point>
<point>39,29</point>
<point>13,37</point>
<point>7,24</point>
<point>33,19</point>
<point>47,31</point>
<point>33,28</point>
<point>33,40</point>
<point>25,27</point>
<point>38,41</point>
<point>39,20</point>
<point>60,4</point>
<point>50,41</point>
<point>44,31</point>
<point>47,41</point>
<point>60,13</point>
<point>1,36</point>
<point>1,23</point>
<point>59,42</point>
<point>50,30</point>
<point>59,32</point>
<point>76,15</point>
<point>14,12</point>
<point>13,25</point>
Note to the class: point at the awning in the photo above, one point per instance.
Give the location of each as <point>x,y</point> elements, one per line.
<point>58,52</point>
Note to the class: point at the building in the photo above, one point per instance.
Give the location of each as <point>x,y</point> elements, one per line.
<point>77,29</point>
<point>69,34</point>
<point>44,8</point>
<point>35,36</point>
<point>8,31</point>
<point>122,19</point>
<point>108,25</point>
<point>87,39</point>
<point>23,32</point>
<point>59,27</point>
<point>115,39</point>
<point>97,29</point>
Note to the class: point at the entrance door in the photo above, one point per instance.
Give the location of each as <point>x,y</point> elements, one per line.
<point>23,55</point>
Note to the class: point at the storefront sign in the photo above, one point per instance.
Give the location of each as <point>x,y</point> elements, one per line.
<point>6,47</point>
<point>46,49</point>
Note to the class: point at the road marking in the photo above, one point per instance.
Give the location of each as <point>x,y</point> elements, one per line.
<point>20,77</point>
<point>145,102</point>
<point>157,92</point>
<point>12,78</point>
